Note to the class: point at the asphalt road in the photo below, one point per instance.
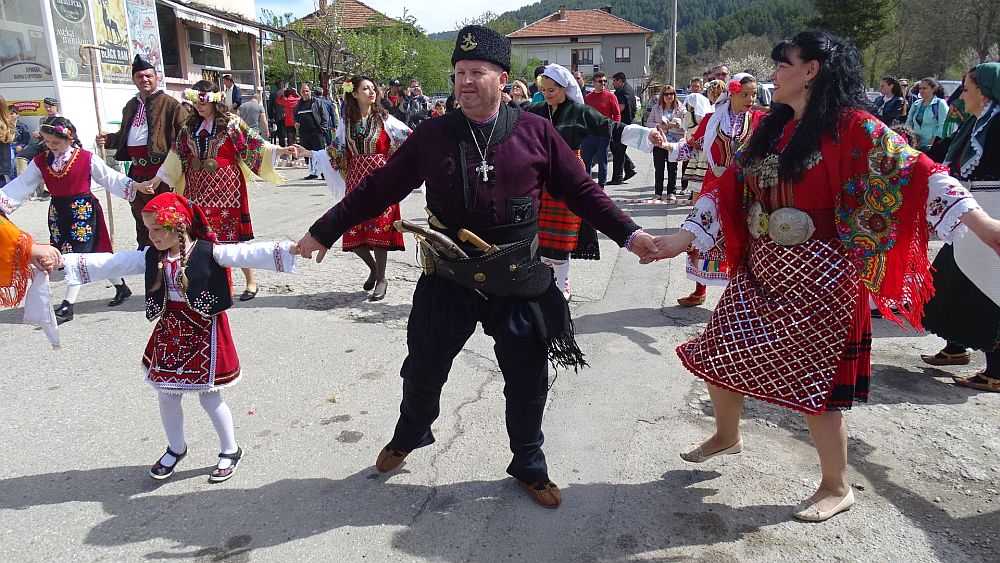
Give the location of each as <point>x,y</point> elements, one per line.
<point>320,397</point>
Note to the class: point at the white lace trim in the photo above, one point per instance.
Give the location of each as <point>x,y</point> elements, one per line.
<point>702,239</point>
<point>977,148</point>
<point>950,228</point>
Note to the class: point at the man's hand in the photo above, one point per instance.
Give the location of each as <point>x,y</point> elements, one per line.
<point>101,140</point>
<point>144,187</point>
<point>308,245</point>
<point>45,257</point>
<point>642,246</point>
<point>668,246</point>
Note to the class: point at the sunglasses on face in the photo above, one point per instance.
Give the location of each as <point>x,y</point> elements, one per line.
<point>602,81</point>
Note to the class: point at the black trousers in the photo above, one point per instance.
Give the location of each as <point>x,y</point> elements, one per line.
<point>621,162</point>
<point>443,317</point>
<point>659,159</point>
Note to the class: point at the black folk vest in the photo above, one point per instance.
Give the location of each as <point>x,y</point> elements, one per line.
<point>209,291</point>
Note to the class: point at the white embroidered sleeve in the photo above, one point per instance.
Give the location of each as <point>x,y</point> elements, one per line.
<point>84,268</point>
<point>686,151</point>
<point>273,256</point>
<point>947,201</point>
<point>38,307</point>
<point>111,179</point>
<point>703,223</point>
<point>637,136</point>
<point>19,189</point>
<point>334,181</point>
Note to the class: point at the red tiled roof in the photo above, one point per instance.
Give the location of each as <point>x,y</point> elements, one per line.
<point>579,22</point>
<point>351,14</point>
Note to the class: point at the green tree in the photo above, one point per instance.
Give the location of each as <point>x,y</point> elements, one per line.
<point>860,21</point>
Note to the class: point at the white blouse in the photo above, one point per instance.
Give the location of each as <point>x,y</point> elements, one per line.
<point>19,189</point>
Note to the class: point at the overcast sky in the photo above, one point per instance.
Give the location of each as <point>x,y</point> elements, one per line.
<point>433,16</point>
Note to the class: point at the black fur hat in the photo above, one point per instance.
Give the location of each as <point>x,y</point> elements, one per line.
<point>140,64</point>
<point>478,43</point>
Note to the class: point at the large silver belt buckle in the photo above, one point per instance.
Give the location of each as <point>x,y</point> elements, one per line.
<point>789,226</point>
<point>757,220</point>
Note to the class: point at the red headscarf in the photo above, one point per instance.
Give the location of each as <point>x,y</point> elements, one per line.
<point>174,210</point>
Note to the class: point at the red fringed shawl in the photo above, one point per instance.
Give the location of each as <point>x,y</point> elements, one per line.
<point>15,257</point>
<point>881,187</point>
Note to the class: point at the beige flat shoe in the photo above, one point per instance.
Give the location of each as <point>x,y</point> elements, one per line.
<point>695,454</point>
<point>809,512</point>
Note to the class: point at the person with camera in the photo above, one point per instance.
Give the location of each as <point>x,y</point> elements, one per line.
<point>417,105</point>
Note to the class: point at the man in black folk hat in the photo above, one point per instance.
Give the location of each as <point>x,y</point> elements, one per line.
<point>150,122</point>
<point>484,167</point>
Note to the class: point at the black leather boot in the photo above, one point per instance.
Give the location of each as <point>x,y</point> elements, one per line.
<point>64,312</point>
<point>122,292</point>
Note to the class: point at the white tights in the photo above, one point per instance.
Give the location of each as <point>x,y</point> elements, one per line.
<point>172,416</point>
<point>561,270</point>
<point>73,291</point>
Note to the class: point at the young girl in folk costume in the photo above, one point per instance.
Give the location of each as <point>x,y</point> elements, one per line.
<point>188,291</point>
<point>364,141</point>
<point>76,218</point>
<point>212,161</point>
<point>718,137</point>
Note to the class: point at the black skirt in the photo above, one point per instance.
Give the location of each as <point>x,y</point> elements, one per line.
<point>960,312</point>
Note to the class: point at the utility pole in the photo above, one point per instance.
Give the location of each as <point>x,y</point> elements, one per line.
<point>673,47</point>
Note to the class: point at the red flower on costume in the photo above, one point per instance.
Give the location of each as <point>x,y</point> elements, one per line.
<point>171,219</point>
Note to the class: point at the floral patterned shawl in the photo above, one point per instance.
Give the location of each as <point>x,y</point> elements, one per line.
<point>340,157</point>
<point>879,212</point>
<point>15,255</point>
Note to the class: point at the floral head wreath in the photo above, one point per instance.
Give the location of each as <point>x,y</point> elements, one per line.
<point>348,86</point>
<point>171,219</point>
<point>197,96</point>
<point>60,129</point>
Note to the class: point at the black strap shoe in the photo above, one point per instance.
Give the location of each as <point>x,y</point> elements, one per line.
<point>122,292</point>
<point>64,312</point>
<point>160,471</point>
<point>220,475</point>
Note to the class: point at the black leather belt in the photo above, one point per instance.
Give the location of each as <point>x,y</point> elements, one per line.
<point>146,161</point>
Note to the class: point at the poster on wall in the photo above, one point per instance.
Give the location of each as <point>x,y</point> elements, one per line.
<point>71,23</point>
<point>112,34</point>
<point>24,53</point>
<point>144,31</point>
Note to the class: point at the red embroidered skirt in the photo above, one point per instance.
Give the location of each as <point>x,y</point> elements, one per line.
<point>190,353</point>
<point>223,196</point>
<point>377,232</point>
<point>792,328</point>
<point>558,227</point>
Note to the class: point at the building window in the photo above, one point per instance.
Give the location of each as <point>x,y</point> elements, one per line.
<point>167,21</point>
<point>206,48</point>
<point>241,58</point>
<point>623,54</point>
<point>585,56</point>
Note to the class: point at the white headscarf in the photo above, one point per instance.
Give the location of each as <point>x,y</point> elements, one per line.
<point>563,77</point>
<point>720,119</point>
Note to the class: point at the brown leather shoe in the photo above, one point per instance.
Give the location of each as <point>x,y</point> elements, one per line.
<point>943,358</point>
<point>691,300</point>
<point>390,458</point>
<point>546,494</point>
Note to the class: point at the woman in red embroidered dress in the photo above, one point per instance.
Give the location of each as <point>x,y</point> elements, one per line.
<point>724,132</point>
<point>76,218</point>
<point>364,141</point>
<point>211,163</point>
<point>825,207</point>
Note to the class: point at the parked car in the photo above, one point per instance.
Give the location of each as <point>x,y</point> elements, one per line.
<point>949,86</point>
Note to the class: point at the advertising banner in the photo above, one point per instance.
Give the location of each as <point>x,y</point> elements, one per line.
<point>71,23</point>
<point>28,107</point>
<point>144,32</point>
<point>24,53</point>
<point>112,34</point>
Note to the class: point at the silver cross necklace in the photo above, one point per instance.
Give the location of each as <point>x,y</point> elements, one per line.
<point>484,168</point>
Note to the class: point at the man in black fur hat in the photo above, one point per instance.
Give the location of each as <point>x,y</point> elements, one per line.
<point>484,168</point>
<point>150,122</point>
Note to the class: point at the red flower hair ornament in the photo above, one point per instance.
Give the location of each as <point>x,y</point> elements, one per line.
<point>172,211</point>
<point>734,87</point>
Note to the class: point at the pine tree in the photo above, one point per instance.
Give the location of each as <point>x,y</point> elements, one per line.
<point>861,21</point>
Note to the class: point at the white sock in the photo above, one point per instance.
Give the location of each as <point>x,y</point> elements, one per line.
<point>72,292</point>
<point>222,419</point>
<point>172,417</point>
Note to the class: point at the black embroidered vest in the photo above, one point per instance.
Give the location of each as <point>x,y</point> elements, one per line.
<point>209,291</point>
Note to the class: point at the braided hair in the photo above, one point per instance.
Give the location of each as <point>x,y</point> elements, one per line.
<point>837,88</point>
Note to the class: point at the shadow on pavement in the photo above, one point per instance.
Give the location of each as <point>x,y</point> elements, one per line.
<point>449,522</point>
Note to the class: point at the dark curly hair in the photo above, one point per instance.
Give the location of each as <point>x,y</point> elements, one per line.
<point>837,88</point>
<point>222,114</point>
<point>352,111</point>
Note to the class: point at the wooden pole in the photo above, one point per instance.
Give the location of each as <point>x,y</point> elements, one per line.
<point>88,58</point>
